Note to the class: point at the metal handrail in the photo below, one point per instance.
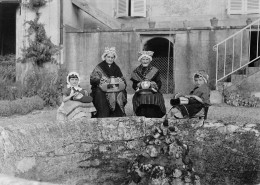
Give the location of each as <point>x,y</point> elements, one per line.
<point>239,63</point>
<point>237,32</point>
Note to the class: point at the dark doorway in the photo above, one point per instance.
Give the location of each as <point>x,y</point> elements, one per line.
<point>7,28</point>
<point>254,48</point>
<point>163,60</point>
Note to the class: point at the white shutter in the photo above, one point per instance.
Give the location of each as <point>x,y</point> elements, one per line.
<point>138,8</point>
<point>236,6</point>
<point>122,8</point>
<point>253,6</point>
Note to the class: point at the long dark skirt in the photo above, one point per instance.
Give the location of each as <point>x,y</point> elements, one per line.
<point>149,105</point>
<point>190,109</point>
<point>101,104</point>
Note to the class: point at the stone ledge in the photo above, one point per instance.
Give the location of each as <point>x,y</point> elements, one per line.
<point>8,180</point>
<point>58,151</point>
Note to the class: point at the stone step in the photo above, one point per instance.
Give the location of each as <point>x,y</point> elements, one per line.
<point>224,85</point>
<point>237,78</point>
<point>252,70</point>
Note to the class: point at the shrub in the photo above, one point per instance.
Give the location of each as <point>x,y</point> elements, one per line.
<point>32,83</point>
<point>21,106</point>
<point>7,68</point>
<point>5,108</point>
<point>46,85</point>
<point>239,98</point>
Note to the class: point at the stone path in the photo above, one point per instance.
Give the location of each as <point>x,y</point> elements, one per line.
<point>229,114</point>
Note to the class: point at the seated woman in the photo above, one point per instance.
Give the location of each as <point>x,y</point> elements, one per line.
<point>108,87</point>
<point>76,101</point>
<point>147,100</point>
<point>187,106</point>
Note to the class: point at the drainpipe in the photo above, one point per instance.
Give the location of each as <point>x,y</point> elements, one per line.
<point>61,22</point>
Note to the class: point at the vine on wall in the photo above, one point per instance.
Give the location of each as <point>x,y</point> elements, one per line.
<point>40,49</point>
<point>37,80</point>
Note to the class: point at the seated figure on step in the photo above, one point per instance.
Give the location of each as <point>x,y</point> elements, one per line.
<point>187,106</point>
<point>76,100</point>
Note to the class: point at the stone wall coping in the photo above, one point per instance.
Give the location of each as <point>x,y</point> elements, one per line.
<point>10,180</point>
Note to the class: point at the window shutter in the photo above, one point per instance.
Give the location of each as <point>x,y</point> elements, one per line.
<point>122,8</point>
<point>138,8</point>
<point>253,6</point>
<point>236,7</point>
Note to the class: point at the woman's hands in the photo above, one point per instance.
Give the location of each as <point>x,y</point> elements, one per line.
<point>152,86</point>
<point>77,95</point>
<point>195,97</point>
<point>72,95</point>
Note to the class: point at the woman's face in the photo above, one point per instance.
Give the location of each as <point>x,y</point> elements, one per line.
<point>145,61</point>
<point>110,58</point>
<point>199,81</point>
<point>74,82</point>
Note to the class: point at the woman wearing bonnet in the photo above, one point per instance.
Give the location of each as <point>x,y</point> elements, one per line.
<point>108,86</point>
<point>147,100</point>
<point>73,91</point>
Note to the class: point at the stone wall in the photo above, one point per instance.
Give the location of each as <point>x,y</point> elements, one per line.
<point>88,151</point>
<point>193,51</point>
<point>8,180</point>
<point>93,150</point>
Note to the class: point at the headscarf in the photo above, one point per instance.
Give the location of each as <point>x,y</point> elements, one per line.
<point>202,74</point>
<point>147,54</point>
<point>108,50</point>
<point>73,75</point>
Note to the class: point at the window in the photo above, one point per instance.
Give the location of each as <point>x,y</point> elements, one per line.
<point>131,8</point>
<point>243,6</point>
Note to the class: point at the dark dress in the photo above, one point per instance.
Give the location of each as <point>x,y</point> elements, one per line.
<point>194,106</point>
<point>107,104</point>
<point>150,105</point>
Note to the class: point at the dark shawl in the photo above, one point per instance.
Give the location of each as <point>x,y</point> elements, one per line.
<point>151,73</point>
<point>103,72</point>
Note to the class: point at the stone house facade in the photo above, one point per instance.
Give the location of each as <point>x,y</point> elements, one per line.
<point>182,38</point>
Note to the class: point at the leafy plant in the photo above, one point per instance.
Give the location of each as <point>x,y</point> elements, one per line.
<point>40,49</point>
<point>239,98</point>
<point>7,68</point>
<point>47,85</point>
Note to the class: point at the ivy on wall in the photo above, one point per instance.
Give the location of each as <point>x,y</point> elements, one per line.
<point>40,49</point>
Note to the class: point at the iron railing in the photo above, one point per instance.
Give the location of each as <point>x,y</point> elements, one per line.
<point>233,53</point>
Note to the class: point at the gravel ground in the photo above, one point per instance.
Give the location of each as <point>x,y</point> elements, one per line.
<point>216,112</point>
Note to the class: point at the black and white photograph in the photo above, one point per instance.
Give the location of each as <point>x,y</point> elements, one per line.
<point>129,92</point>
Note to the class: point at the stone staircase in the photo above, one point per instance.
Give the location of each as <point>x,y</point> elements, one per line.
<point>238,65</point>
<point>249,80</point>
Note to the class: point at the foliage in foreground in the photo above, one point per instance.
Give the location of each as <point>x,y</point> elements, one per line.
<point>225,158</point>
<point>46,85</point>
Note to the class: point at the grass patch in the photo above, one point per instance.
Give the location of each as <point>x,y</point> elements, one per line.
<point>20,106</point>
